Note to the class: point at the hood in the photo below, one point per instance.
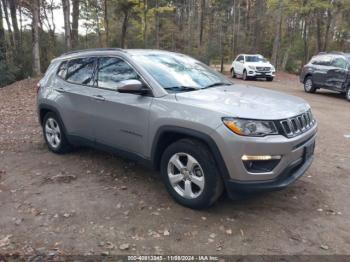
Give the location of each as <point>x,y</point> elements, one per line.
<point>245,101</point>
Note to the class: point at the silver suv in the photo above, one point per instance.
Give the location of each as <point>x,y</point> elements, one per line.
<point>174,113</point>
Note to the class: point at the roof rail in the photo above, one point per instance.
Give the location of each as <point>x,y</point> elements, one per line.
<point>331,52</point>
<point>92,49</point>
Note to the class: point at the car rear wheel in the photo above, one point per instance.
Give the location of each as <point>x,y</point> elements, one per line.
<point>348,94</point>
<point>54,134</point>
<point>190,174</point>
<point>309,86</point>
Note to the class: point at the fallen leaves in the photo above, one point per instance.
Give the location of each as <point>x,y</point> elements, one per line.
<point>5,241</point>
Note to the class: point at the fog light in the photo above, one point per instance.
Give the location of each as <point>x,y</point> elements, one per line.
<point>259,158</point>
<point>260,164</point>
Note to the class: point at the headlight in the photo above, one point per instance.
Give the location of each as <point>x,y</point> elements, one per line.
<point>247,127</point>
<point>251,67</point>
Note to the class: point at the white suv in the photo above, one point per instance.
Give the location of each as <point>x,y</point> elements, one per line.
<point>252,66</point>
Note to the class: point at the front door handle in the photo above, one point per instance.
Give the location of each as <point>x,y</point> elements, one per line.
<point>60,90</point>
<point>99,98</point>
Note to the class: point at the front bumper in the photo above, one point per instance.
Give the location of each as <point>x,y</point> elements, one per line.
<point>287,177</point>
<point>254,73</point>
<point>293,163</point>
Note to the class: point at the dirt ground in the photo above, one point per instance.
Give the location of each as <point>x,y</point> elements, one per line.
<point>90,202</point>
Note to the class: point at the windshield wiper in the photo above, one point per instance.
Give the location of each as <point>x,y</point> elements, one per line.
<point>187,88</point>
<point>218,84</point>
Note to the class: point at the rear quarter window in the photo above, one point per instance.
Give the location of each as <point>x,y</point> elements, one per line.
<point>62,70</point>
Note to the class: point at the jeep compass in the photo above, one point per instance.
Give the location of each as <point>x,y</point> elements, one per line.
<point>202,132</point>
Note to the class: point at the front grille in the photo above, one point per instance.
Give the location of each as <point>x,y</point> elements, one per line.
<point>294,126</point>
<point>263,69</point>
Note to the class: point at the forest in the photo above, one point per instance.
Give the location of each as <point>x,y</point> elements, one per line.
<point>288,32</point>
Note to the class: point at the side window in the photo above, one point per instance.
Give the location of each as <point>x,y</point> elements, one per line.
<point>340,62</point>
<point>62,70</point>
<point>240,58</point>
<point>81,71</point>
<point>112,70</point>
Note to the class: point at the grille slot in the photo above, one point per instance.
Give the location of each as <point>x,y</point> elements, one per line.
<point>299,124</point>
<point>263,69</point>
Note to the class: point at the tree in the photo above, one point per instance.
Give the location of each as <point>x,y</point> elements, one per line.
<point>125,7</point>
<point>35,27</point>
<point>75,23</point>
<point>67,29</point>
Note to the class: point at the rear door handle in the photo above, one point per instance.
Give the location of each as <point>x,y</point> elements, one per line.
<point>99,98</point>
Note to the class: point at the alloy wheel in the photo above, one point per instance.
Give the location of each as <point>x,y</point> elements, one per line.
<point>308,85</point>
<point>186,175</point>
<point>53,133</point>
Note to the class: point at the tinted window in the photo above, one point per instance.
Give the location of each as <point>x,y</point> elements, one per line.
<point>62,70</point>
<point>112,70</point>
<point>80,71</point>
<point>240,58</point>
<point>340,62</point>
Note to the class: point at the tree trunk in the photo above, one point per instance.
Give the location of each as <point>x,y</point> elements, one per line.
<point>67,31</point>
<point>157,24</point>
<point>201,27</point>
<point>9,27</point>
<point>318,31</point>
<point>328,25</point>
<point>105,10</point>
<point>13,11</point>
<point>124,28</point>
<point>145,10</point>
<point>75,23</point>
<point>35,29</point>
<point>276,42</point>
<point>2,39</point>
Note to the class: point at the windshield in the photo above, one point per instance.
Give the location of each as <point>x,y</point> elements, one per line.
<point>179,73</point>
<point>255,58</point>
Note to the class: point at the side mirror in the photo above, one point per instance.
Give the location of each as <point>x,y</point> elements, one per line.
<point>132,87</point>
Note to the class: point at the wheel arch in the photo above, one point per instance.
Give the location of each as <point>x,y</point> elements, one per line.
<point>167,135</point>
<point>44,109</point>
<point>306,76</point>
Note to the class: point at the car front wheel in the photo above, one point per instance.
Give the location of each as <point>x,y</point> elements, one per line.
<point>309,86</point>
<point>190,174</point>
<point>245,76</point>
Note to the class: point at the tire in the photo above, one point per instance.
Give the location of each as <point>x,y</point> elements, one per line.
<point>347,94</point>
<point>309,86</point>
<point>208,185</point>
<point>245,77</point>
<point>53,131</point>
<point>269,79</point>
<point>233,74</point>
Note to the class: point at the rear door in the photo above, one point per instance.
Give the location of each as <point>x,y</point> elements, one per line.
<point>121,119</point>
<point>74,92</point>
<point>337,75</point>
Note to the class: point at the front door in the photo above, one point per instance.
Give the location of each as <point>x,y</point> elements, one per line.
<point>337,75</point>
<point>121,119</point>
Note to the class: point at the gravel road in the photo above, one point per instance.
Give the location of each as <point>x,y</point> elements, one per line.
<point>90,202</point>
